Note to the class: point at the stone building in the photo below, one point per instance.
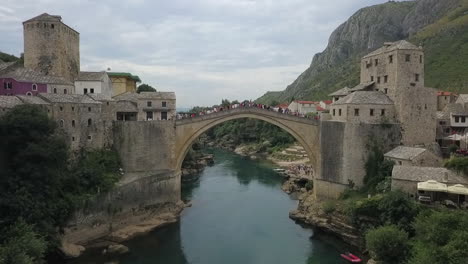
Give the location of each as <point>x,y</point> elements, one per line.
<point>364,107</point>
<point>123,82</point>
<point>146,106</point>
<point>445,98</point>
<point>51,47</point>
<point>303,107</point>
<point>94,83</point>
<point>397,71</point>
<point>411,156</point>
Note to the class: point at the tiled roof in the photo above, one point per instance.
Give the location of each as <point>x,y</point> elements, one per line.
<point>126,106</point>
<point>145,95</point>
<point>442,93</point>
<point>32,100</point>
<point>283,106</point>
<point>45,17</point>
<point>342,92</point>
<point>405,153</point>
<point>68,98</point>
<point>9,101</point>
<point>319,108</point>
<point>362,87</point>
<point>456,108</point>
<point>124,74</point>
<point>100,97</point>
<point>390,46</point>
<point>327,102</point>
<point>305,102</point>
<point>27,75</point>
<point>365,97</point>
<point>462,98</point>
<point>91,76</point>
<point>421,174</point>
<point>5,65</point>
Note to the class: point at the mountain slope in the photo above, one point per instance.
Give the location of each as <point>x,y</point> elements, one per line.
<point>338,65</point>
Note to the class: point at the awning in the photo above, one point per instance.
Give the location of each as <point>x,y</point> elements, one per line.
<point>432,186</point>
<point>458,189</point>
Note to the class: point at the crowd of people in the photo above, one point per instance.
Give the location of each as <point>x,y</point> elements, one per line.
<point>245,104</point>
<point>301,170</point>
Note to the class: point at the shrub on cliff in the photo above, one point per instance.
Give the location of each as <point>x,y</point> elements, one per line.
<point>388,244</point>
<point>459,164</point>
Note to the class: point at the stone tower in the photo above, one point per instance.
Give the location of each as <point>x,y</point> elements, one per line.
<point>51,47</point>
<point>397,69</point>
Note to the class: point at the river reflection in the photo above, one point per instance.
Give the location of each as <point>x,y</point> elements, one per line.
<point>239,215</point>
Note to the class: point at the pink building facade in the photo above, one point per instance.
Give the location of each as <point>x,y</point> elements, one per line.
<point>10,86</point>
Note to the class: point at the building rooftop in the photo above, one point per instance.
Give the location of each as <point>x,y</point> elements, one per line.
<point>9,101</point>
<point>365,97</point>
<point>124,74</point>
<point>91,76</point>
<point>422,174</point>
<point>5,65</point>
<point>405,153</point>
<point>391,46</point>
<point>32,100</point>
<point>68,98</point>
<point>443,93</point>
<point>45,17</point>
<point>305,102</point>
<point>342,92</point>
<point>100,97</point>
<point>462,99</point>
<point>362,87</point>
<point>27,75</point>
<point>145,95</point>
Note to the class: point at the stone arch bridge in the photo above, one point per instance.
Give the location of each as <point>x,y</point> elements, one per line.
<point>305,131</point>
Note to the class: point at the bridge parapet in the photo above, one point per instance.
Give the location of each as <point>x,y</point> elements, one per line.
<point>248,110</point>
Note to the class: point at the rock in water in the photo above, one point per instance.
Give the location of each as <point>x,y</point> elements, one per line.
<point>117,249</point>
<point>70,250</point>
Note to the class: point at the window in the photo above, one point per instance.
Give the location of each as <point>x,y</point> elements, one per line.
<point>399,163</point>
<point>64,91</point>
<point>89,137</point>
<point>61,123</point>
<point>420,59</point>
<point>356,112</point>
<point>91,90</point>
<point>163,115</point>
<point>339,112</point>
<point>164,104</point>
<point>408,57</point>
<point>149,104</point>
<point>390,59</point>
<point>149,115</point>
<point>442,123</point>
<point>376,62</point>
<point>5,85</point>
<point>378,79</point>
<point>386,90</point>
<point>52,25</point>
<point>90,122</point>
<point>368,64</point>
<point>382,112</point>
<point>372,78</point>
<point>371,112</point>
<point>463,119</point>
<point>29,93</point>
<point>457,119</point>
<point>73,123</point>
<point>9,85</point>
<point>55,90</point>
<point>85,90</point>
<point>334,112</point>
<point>61,108</point>
<point>416,77</point>
<point>34,87</point>
<point>73,138</point>
<point>73,108</point>
<point>385,79</point>
<point>89,109</point>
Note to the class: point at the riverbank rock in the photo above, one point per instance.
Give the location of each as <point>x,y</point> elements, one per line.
<point>371,261</point>
<point>116,249</point>
<point>70,250</point>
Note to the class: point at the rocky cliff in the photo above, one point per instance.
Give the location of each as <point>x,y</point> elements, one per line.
<point>338,65</point>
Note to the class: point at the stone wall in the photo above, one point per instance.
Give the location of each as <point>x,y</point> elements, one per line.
<point>344,149</point>
<point>348,113</point>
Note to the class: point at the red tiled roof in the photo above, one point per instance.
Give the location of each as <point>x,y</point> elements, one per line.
<point>443,93</point>
<point>319,108</point>
<point>328,102</point>
<point>305,102</point>
<point>283,106</point>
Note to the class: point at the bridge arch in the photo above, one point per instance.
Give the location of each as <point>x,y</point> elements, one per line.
<point>305,131</point>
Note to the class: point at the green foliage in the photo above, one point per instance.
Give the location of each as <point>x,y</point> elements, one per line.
<point>378,169</point>
<point>441,237</point>
<point>452,148</point>
<point>7,57</point>
<point>388,244</point>
<point>36,183</point>
<point>309,185</point>
<point>329,207</point>
<point>145,88</point>
<point>19,244</point>
<point>459,164</point>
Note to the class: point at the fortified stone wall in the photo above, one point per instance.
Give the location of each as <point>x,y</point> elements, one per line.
<point>344,150</point>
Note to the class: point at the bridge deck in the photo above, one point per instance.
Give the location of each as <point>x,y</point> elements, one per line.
<point>248,110</point>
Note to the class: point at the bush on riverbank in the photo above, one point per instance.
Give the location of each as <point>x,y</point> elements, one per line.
<point>37,184</point>
<point>388,244</point>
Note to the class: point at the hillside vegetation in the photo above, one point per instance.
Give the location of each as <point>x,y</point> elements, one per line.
<point>441,27</point>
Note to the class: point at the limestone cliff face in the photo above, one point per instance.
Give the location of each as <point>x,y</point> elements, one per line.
<point>365,31</point>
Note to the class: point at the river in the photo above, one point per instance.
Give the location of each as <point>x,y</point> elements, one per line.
<point>239,215</point>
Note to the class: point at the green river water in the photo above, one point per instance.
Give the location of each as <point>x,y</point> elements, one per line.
<point>239,215</point>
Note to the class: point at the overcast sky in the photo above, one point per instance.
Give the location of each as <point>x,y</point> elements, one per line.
<point>204,50</point>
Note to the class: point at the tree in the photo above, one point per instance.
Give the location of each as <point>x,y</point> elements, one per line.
<point>145,88</point>
<point>388,244</point>
<point>19,244</point>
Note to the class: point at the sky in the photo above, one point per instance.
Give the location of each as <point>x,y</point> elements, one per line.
<point>204,50</point>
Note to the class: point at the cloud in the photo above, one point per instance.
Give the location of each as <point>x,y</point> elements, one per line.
<point>235,49</point>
